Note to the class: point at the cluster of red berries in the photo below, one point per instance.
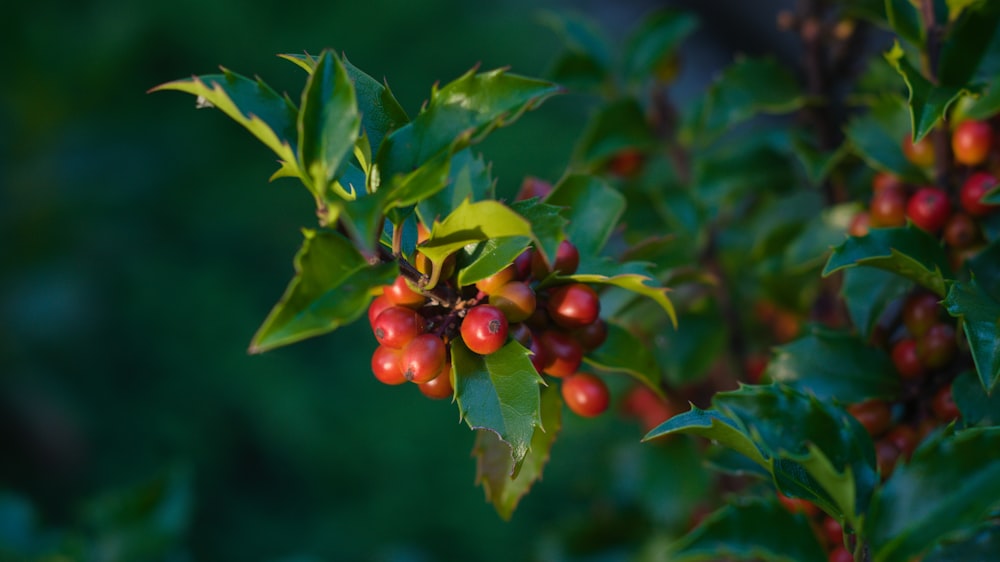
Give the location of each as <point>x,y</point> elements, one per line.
<point>953,217</point>
<point>558,323</point>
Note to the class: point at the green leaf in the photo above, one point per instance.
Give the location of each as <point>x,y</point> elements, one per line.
<point>655,41</point>
<point>985,268</point>
<point>818,164</point>
<point>811,247</point>
<point>907,251</point>
<point>251,103</point>
<point>754,530</point>
<point>982,544</point>
<point>984,106</point>
<point>593,209</point>
<point>468,178</point>
<point>333,286</point>
<point>623,352</point>
<point>547,223</point>
<point>980,314</point>
<point>928,103</point>
<point>977,407</point>
<point>747,88</point>
<point>328,123</point>
<point>686,355</point>
<point>720,189</point>
<point>578,72</point>
<point>971,39</point>
<point>495,468</point>
<point>905,20</point>
<point>632,276</point>
<point>614,127</point>
<point>950,484</point>
<point>834,365</point>
<point>579,34</point>
<point>499,393</point>
<point>488,257</point>
<point>876,138</point>
<point>868,291</point>
<point>713,425</point>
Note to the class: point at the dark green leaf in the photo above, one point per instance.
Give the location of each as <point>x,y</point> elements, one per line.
<point>907,251</point>
<point>834,365</point>
<point>986,105</point>
<point>623,352</point>
<point>818,164</point>
<point>949,485</point>
<point>593,209</point>
<point>710,424</point>
<point>499,393</point>
<point>985,268</point>
<point>758,166</point>
<point>251,103</point>
<point>876,137</point>
<point>867,291</point>
<point>983,544</point>
<point>578,71</point>
<point>970,39</point>
<point>686,354</point>
<point>547,223</point>
<point>754,530</point>
<point>980,314</point>
<point>614,127</point>
<point>468,178</point>
<point>328,124</point>
<point>811,247</point>
<point>977,407</point>
<point>579,34</point>
<point>928,103</point>
<point>488,257</point>
<point>904,19</point>
<point>655,41</point>
<point>333,286</point>
<point>494,466</point>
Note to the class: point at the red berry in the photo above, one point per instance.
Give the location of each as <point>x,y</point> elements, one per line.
<point>379,304</point>
<point>888,208</point>
<point>754,367</point>
<point>920,153</point>
<point>586,394</point>
<point>566,262</point>
<point>920,312</point>
<point>874,415</point>
<point>943,405</point>
<point>522,264</point>
<point>833,531</point>
<point>904,356</point>
<point>397,325</point>
<point>972,191</point>
<point>386,367</point>
<point>961,231</point>
<point>592,335</point>
<point>649,408</point>
<point>929,208</point>
<point>841,554</point>
<point>574,305</point>
<point>886,457</point>
<point>563,354</point>
<point>798,505</point>
<point>440,386</point>
<point>860,223</point>
<point>484,329</point>
<point>423,358</point>
<point>904,438</point>
<point>491,284</point>
<point>625,163</point>
<point>885,180</point>
<point>533,187</point>
<point>971,142</point>
<point>400,293</point>
<point>516,300</point>
<point>936,348</point>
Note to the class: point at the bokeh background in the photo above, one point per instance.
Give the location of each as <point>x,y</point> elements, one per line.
<point>141,246</point>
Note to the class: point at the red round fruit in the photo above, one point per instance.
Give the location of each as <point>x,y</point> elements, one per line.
<point>491,284</point>
<point>961,231</point>
<point>522,264</point>
<point>888,208</point>
<point>440,386</point>
<point>886,457</point>
<point>626,163</point>
<point>929,208</point>
<point>943,405</point>
<point>379,304</point>
<point>386,367</point>
<point>972,191</point>
<point>592,335</point>
<point>971,142</point>
<point>586,394</point>
<point>516,300</point>
<point>874,415</point>
<point>400,294</point>
<point>904,357</point>
<point>936,348</point>
<point>533,187</point>
<point>920,312</point>
<point>397,325</point>
<point>904,438</point>
<point>920,153</point>
<point>884,180</point>
<point>423,358</point>
<point>574,305</point>
<point>649,408</point>
<point>840,554</point>
<point>563,354</point>
<point>484,329</point>
<point>860,223</point>
<point>566,262</point>
<point>833,531</point>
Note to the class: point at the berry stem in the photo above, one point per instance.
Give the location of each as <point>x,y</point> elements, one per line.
<point>397,240</point>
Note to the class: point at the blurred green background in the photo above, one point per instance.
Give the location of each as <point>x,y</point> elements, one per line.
<point>142,246</point>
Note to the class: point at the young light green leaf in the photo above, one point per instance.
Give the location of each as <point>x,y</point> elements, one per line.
<point>908,251</point>
<point>499,393</point>
<point>651,46</point>
<point>867,292</point>
<point>593,209</point>
<point>623,352</point>
<point>928,102</point>
<point>494,466</point>
<point>834,365</point>
<point>754,530</point>
<point>949,486</point>
<point>333,286</point>
<point>328,124</point>
<point>251,103</point>
<point>632,276</point>
<point>980,314</point>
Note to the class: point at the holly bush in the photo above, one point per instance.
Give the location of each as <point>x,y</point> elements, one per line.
<point>800,268</point>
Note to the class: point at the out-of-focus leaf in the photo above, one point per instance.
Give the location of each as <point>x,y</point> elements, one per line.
<point>867,292</point>
<point>686,354</point>
<point>834,365</point>
<point>579,34</point>
<point>928,102</point>
<point>622,352</point>
<point>593,209</point>
<point>977,407</point>
<point>877,135</point>
<point>980,314</point>
<point>907,251</point>
<point>578,71</point>
<point>904,19</point>
<point>982,544</point>
<point>811,248</point>
<point>717,187</point>
<point>332,286</point>
<point>495,467</point>
<point>616,126</point>
<point>985,267</point>
<point>971,39</point>
<point>656,39</point>
<point>818,164</point>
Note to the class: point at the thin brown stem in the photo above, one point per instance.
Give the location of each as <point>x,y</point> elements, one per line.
<point>397,240</point>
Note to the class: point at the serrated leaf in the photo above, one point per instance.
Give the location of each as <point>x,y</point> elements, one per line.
<point>971,38</point>
<point>494,466</point>
<point>328,124</point>
<point>928,103</point>
<point>834,365</point>
<point>982,544</point>
<point>332,286</point>
<point>593,209</point>
<point>616,126</point>
<point>713,425</point>
<point>468,178</point>
<point>499,392</point>
<point>624,353</point>
<point>488,257</point>
<point>980,314</point>
<point>977,407</point>
<point>655,41</point>
<point>876,137</point>
<point>547,223</point>
<point>632,276</point>
<point>949,485</point>
<point>907,251</point>
<point>753,530</point>
<point>253,104</point>
<point>867,292</point>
